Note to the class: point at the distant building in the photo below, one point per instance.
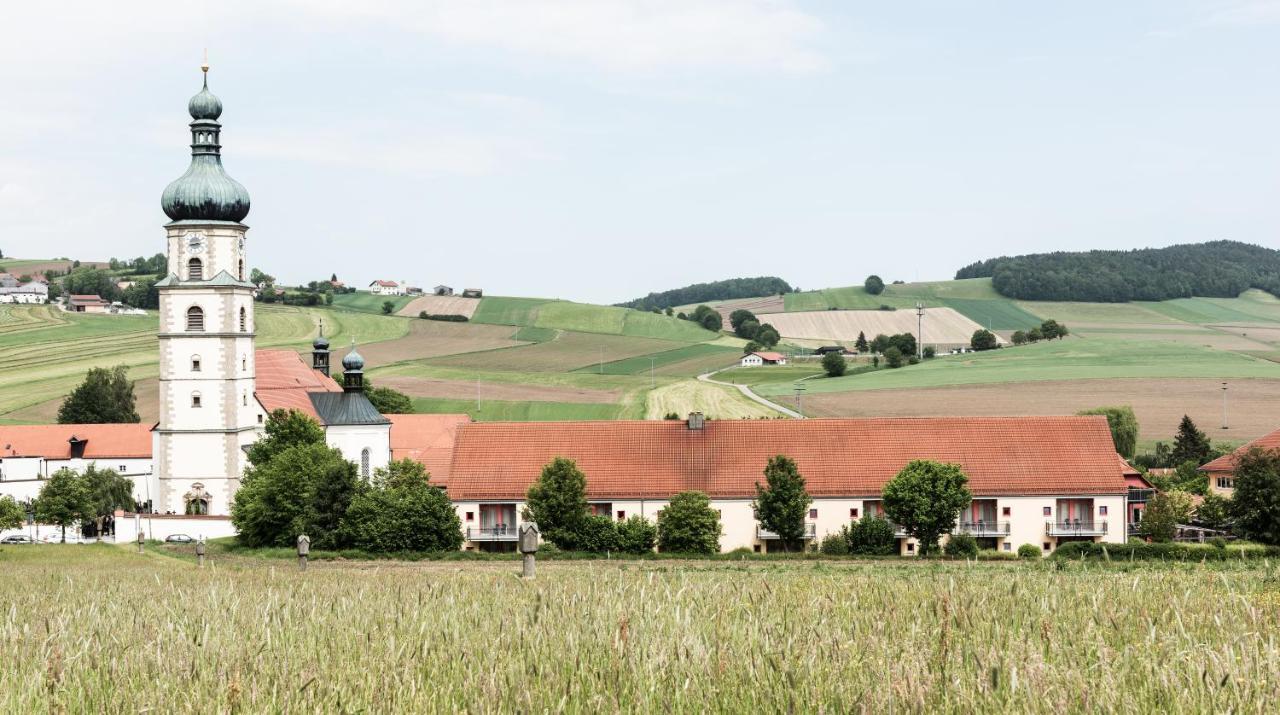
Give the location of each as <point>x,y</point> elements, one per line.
<point>30,292</point>
<point>833,349</point>
<point>87,304</point>
<point>386,288</point>
<point>757,359</point>
<point>1222,471</point>
<point>443,290</point>
<point>412,290</point>
<point>472,293</point>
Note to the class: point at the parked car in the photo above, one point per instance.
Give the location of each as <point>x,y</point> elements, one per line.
<point>56,538</point>
<point>16,539</point>
<point>179,539</point>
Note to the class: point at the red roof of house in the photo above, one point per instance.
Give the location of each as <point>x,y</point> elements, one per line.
<point>838,457</point>
<point>1227,462</point>
<point>385,284</point>
<point>107,441</point>
<point>772,357</point>
<point>284,379</point>
<point>427,439</point>
<point>87,299</point>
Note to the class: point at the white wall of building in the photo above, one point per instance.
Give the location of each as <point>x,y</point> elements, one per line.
<point>352,440</point>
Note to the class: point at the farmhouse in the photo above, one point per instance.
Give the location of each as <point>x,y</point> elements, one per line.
<point>1221,471</point>
<point>443,290</point>
<point>87,304</point>
<point>381,287</point>
<point>1035,480</point>
<point>31,292</point>
<point>763,358</point>
<point>31,453</point>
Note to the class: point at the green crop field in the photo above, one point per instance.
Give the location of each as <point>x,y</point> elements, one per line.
<point>368,302</point>
<point>249,634</point>
<point>527,411</point>
<point>641,364</point>
<point>587,318</point>
<point>973,298</point>
<point>567,352</point>
<point>508,311</point>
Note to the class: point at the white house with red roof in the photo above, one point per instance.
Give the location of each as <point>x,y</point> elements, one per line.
<point>381,287</point>
<point>1222,471</point>
<point>756,359</point>
<point>32,453</point>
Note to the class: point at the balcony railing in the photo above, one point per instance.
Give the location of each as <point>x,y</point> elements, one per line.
<point>1075,528</point>
<point>983,528</point>
<point>497,532</point>
<point>1140,495</point>
<point>763,534</point>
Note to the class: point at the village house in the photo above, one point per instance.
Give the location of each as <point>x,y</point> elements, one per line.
<point>757,359</point>
<point>87,304</point>
<point>1035,480</point>
<point>31,292</point>
<point>443,290</point>
<point>1221,471</point>
<point>32,453</point>
<point>381,287</point>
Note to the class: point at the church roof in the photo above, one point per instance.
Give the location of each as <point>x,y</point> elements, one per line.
<point>101,441</point>
<point>428,440</point>
<point>346,408</point>
<point>284,382</point>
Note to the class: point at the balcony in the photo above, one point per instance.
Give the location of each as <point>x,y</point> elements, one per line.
<point>763,534</point>
<point>982,528</point>
<point>498,532</point>
<point>1075,528</point>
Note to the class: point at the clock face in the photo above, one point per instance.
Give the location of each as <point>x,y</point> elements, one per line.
<point>195,242</point>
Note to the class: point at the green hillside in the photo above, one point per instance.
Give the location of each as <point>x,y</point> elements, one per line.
<point>586,318</point>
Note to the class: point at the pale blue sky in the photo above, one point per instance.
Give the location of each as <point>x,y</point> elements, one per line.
<point>600,149</point>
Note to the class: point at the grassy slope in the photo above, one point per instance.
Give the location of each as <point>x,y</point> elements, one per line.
<point>586,318</point>
<point>369,303</point>
<point>974,298</point>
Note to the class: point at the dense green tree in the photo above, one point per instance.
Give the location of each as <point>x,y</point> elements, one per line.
<point>142,294</point>
<point>1124,428</point>
<point>12,515</point>
<point>873,285</point>
<point>893,357</point>
<point>751,347</point>
<point>389,401</point>
<point>402,511</point>
<point>388,307</point>
<point>1214,512</point>
<point>284,429</point>
<point>688,525</point>
<point>782,503</point>
<point>861,343</point>
<point>983,340</point>
<point>740,316</point>
<point>871,536</point>
<point>1019,337</point>
<point>747,329</point>
<point>91,281</point>
<point>1186,477</point>
<point>302,489</point>
<point>1051,329</point>
<point>108,491</point>
<point>558,502</point>
<point>1190,445</point>
<point>1163,513</point>
<point>597,534</point>
<point>1034,335</point>
<point>63,501</point>
<point>730,289</point>
<point>1255,504</point>
<point>834,364</point>
<point>259,278</point>
<point>105,397</point>
<point>768,336</point>
<point>636,535</point>
<point>925,498</point>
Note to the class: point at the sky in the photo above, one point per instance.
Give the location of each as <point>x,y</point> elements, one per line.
<point>598,150</point>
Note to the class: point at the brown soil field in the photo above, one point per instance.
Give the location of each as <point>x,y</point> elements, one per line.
<point>696,366</point>
<point>567,352</point>
<point>441,305</point>
<point>466,390</point>
<point>146,401</point>
<point>44,266</point>
<point>942,326</point>
<point>1253,404</point>
<point>433,338</point>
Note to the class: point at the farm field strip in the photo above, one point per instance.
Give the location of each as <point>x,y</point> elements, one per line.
<point>440,305</point>
<point>717,402</point>
<point>369,303</point>
<point>642,363</point>
<point>630,636</point>
<point>525,411</point>
<point>508,311</point>
<point>941,325</point>
<point>509,391</point>
<point>567,352</point>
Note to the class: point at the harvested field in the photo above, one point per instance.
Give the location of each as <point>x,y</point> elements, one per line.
<point>759,306</point>
<point>942,326</point>
<point>433,338</point>
<point>715,401</point>
<point>440,305</point>
<point>568,351</point>
<point>468,389</point>
<point>1253,404</point>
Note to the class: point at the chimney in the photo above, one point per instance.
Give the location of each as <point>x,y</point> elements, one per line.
<point>697,420</point>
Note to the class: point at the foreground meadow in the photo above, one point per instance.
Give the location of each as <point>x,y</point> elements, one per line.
<point>100,629</point>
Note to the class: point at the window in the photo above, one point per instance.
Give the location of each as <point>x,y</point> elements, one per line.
<point>1007,511</point>
<point>259,418</point>
<point>1102,511</point>
<point>122,468</point>
<point>244,321</point>
<point>911,548</point>
<point>813,513</point>
<point>853,513</point>
<point>756,548</point>
<point>195,270</point>
<point>622,515</point>
<point>244,364</point>
<point>195,319</point>
<point>471,516</point>
<point>240,269</point>
<point>198,507</point>
<point>1008,546</point>
<point>195,363</point>
<point>364,463</point>
<point>195,399</point>
<point>1048,511</point>
<point>244,400</point>
<point>1047,546</point>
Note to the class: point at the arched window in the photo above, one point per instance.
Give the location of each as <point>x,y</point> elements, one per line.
<point>195,270</point>
<point>195,399</point>
<point>195,319</point>
<point>197,507</point>
<point>244,364</point>
<point>244,321</point>
<point>244,400</point>
<point>364,463</point>
<point>240,271</point>
<point>195,363</point>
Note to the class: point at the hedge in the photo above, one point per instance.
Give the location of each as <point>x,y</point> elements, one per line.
<point>1163,552</point>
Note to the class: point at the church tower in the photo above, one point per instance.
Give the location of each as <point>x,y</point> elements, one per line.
<point>207,408</point>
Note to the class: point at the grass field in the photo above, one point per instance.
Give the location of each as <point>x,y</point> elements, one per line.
<point>973,298</point>
<point>257,635</point>
<point>528,410</point>
<point>684,356</point>
<point>586,318</point>
<point>369,303</point>
<point>717,402</point>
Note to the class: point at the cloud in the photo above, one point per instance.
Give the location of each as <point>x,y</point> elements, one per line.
<point>1247,12</point>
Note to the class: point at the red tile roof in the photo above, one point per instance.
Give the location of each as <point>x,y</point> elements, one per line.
<point>86,299</point>
<point>427,439</point>
<point>1227,462</point>
<point>772,357</point>
<point>385,284</point>
<point>108,441</point>
<point>284,379</point>
<point>838,457</point>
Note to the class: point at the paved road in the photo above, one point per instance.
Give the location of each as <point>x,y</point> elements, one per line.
<point>706,377</point>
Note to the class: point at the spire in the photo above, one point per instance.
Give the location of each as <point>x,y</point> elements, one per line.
<point>353,370</point>
<point>320,352</point>
<point>205,192</point>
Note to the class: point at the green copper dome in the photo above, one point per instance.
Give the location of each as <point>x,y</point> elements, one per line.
<point>205,192</point>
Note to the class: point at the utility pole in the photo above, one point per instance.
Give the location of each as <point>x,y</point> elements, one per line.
<point>920,330</point>
<point>799,398</point>
<point>477,395</point>
<point>651,382</point>
<point>1224,406</point>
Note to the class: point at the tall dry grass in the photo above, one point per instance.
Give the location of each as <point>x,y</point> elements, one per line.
<point>99,629</point>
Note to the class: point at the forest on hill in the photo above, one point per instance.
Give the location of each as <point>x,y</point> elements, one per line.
<point>728,289</point>
<point>1217,269</point>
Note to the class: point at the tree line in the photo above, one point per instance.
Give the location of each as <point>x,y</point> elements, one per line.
<point>1217,269</point>
<point>729,289</point>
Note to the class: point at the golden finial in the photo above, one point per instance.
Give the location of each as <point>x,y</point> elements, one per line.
<point>204,66</point>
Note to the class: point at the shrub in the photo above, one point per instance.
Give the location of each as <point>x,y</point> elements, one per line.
<point>1218,542</point>
<point>961,546</point>
<point>1028,551</point>
<point>402,511</point>
<point>1166,552</point>
<point>1164,511</point>
<point>873,285</point>
<point>304,489</point>
<point>835,544</point>
<point>834,364</point>
<point>636,535</point>
<point>597,534</point>
<point>983,340</point>
<point>689,525</point>
<point>871,536</point>
<point>893,357</point>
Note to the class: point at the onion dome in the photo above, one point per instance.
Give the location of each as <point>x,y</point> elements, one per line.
<point>205,192</point>
<point>353,361</point>
<point>320,343</point>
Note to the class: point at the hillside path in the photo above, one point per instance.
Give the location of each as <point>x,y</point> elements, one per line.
<point>746,391</point>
